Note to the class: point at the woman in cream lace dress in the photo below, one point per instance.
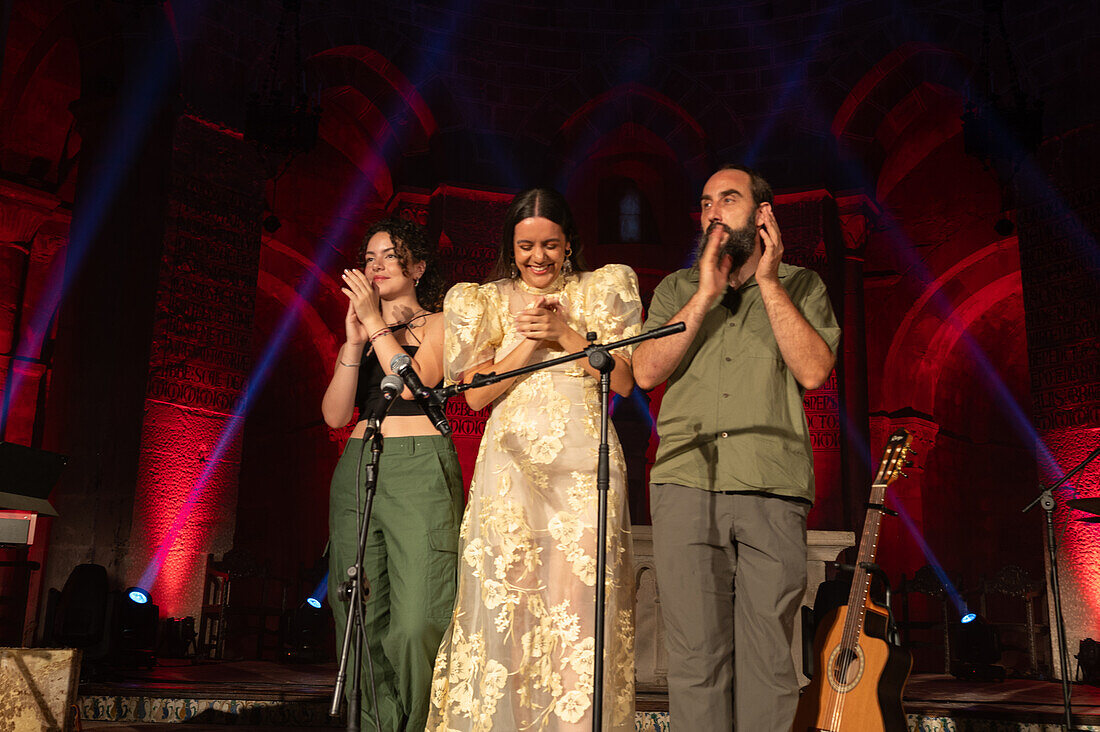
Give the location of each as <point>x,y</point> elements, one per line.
<point>519,652</point>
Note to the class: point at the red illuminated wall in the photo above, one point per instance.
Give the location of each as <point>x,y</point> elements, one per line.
<point>1061,274</point>
<point>200,361</point>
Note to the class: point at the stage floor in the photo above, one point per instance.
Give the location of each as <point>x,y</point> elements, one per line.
<point>255,695</point>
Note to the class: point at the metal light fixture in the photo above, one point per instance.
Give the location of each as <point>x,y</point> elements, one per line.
<point>1000,128</point>
<point>975,649</point>
<point>280,115</point>
<point>137,595</point>
<point>305,636</point>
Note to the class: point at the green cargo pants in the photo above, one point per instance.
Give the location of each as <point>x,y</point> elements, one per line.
<point>411,564</point>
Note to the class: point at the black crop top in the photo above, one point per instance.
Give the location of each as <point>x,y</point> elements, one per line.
<point>369,392</point>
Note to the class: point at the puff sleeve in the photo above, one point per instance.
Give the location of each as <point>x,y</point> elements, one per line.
<point>613,306</point>
<point>471,328</point>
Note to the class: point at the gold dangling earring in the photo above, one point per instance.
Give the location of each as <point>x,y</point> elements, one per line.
<point>567,268</point>
<point>513,271</point>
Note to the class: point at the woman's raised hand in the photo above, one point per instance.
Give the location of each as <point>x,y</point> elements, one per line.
<point>363,302</point>
<point>356,334</point>
<point>543,321</point>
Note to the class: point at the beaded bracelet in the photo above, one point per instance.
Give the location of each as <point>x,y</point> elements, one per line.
<point>378,335</point>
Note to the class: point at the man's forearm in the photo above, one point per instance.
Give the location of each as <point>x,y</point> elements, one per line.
<point>655,360</point>
<point>804,351</point>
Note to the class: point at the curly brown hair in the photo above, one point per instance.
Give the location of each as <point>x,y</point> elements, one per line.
<point>410,242</point>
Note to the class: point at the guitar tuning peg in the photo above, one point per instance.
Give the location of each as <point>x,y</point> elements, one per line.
<point>903,474</point>
<point>907,464</point>
<point>911,451</point>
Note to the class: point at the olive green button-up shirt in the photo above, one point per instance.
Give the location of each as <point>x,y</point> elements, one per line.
<point>732,419</point>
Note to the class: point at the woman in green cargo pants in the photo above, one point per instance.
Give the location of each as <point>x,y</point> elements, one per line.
<point>410,561</point>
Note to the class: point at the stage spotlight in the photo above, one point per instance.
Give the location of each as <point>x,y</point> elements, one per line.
<point>137,629</point>
<point>975,649</point>
<point>137,595</point>
<point>305,637</point>
<point>319,593</point>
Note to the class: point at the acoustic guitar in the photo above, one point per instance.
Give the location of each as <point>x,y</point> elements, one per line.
<point>859,676</point>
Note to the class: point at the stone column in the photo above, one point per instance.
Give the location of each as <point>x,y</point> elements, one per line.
<point>188,462</point>
<point>857,216</point>
<point>1059,224</point>
<point>809,223</point>
<point>96,395</point>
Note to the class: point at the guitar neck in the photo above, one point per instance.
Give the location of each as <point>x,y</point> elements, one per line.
<point>896,450</point>
<point>868,546</point>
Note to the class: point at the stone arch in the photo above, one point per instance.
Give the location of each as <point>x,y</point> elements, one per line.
<point>373,120</point>
<point>355,127</point>
<point>635,83</point>
<point>389,106</point>
<point>636,153</point>
<point>35,121</point>
<point>282,269</point>
<point>642,107</point>
<point>939,317</point>
<point>595,118</point>
<point>287,452</point>
<point>924,120</point>
<point>906,87</point>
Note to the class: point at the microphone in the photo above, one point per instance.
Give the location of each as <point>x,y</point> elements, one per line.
<point>391,385</point>
<point>401,365</point>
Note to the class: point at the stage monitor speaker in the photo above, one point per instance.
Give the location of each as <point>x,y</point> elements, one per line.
<point>17,527</point>
<point>82,616</point>
<point>27,475</point>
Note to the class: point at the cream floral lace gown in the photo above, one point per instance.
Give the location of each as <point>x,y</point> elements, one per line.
<point>519,651</point>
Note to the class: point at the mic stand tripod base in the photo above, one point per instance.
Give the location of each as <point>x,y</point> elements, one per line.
<point>604,363</point>
<point>1046,500</point>
<point>1047,503</point>
<point>357,590</point>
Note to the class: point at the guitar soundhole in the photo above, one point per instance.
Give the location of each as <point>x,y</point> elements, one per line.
<point>845,668</point>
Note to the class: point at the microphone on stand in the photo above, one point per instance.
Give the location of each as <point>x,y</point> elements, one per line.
<point>390,386</point>
<point>401,365</point>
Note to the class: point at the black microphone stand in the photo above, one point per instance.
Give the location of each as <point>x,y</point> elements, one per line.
<point>356,589</point>
<point>1046,500</point>
<point>599,356</point>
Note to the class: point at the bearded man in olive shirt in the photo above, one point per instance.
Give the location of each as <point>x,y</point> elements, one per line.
<point>733,479</point>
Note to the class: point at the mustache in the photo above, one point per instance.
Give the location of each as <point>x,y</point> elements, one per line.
<point>718,224</point>
<point>737,244</point>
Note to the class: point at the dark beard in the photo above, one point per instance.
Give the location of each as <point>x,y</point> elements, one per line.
<point>740,243</point>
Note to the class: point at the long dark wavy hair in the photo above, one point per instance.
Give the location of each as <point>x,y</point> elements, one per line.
<point>544,202</point>
<point>410,242</point>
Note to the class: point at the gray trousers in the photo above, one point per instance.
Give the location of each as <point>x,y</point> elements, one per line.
<point>710,548</point>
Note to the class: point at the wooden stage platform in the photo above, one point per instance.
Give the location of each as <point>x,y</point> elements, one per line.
<point>273,696</point>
